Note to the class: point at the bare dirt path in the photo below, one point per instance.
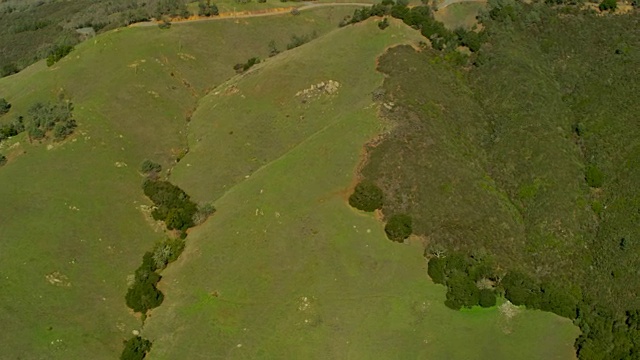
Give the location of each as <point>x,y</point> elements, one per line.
<point>446,3</point>
<point>258,13</point>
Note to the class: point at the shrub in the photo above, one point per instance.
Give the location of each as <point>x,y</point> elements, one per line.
<point>594,177</point>
<point>164,25</point>
<point>3,160</point>
<point>295,12</point>
<point>166,252</point>
<point>203,213</point>
<point>240,68</point>
<point>300,40</point>
<point>273,49</point>
<point>487,298</point>
<point>4,106</point>
<point>399,227</point>
<point>63,129</point>
<point>12,129</point>
<point>149,166</point>
<point>57,53</point>
<point>135,348</point>
<point>383,24</point>
<point>367,196</point>
<point>608,5</point>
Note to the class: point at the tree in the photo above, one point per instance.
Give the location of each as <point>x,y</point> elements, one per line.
<point>4,106</point>
<point>135,348</point>
<point>521,290</point>
<point>461,292</point>
<point>605,5</point>
<point>436,270</point>
<point>399,227</point>
<point>487,298</point>
<point>367,196</point>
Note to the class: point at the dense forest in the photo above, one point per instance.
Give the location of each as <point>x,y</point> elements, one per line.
<point>520,166</point>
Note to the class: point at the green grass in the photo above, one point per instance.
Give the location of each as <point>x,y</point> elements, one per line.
<point>460,14</point>
<point>121,120</point>
<point>285,268</point>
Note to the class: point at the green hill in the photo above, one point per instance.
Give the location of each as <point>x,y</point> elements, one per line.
<point>285,268</point>
<point>72,226</point>
<point>512,160</point>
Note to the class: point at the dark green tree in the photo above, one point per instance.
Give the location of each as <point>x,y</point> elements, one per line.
<point>399,227</point>
<point>461,292</point>
<point>436,270</point>
<point>135,348</point>
<point>487,298</point>
<point>520,289</point>
<point>367,196</point>
<point>608,5</point>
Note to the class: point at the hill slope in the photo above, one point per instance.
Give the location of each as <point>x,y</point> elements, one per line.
<point>72,228</point>
<point>286,269</point>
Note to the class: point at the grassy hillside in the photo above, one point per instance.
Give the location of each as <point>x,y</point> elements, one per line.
<point>72,227</point>
<point>286,269</point>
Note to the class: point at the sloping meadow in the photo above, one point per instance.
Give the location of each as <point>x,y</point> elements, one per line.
<point>285,268</point>
<point>73,225</point>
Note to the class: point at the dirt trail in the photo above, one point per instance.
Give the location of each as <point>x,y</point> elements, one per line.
<point>257,13</point>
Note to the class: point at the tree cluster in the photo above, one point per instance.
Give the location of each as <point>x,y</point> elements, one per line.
<point>462,274</point>
<point>520,289</point>
<point>172,204</point>
<point>171,8</point>
<point>367,196</point>
<point>135,348</point>
<point>421,18</point>
<point>50,118</point>
<point>207,8</point>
